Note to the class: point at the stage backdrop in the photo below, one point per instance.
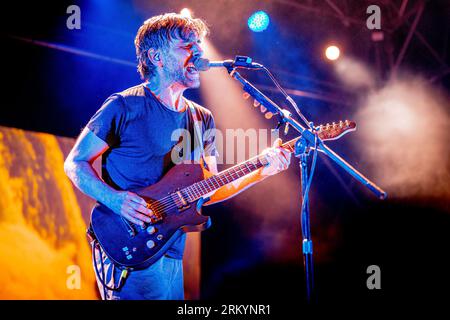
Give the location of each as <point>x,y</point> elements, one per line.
<point>44,253</point>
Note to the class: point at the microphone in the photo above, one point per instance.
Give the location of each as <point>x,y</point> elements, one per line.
<point>202,64</point>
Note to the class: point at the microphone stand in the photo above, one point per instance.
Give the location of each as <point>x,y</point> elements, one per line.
<point>302,152</point>
<point>307,140</point>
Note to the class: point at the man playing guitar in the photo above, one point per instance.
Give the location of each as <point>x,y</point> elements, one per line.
<point>132,131</point>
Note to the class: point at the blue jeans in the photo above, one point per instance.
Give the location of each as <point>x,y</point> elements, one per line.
<point>163,280</point>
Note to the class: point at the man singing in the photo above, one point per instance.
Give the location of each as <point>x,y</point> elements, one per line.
<point>133,132</point>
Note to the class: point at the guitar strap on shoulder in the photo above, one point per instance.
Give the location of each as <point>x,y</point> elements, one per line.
<point>198,136</point>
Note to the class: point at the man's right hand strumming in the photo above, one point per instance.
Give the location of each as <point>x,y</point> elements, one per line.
<point>131,206</point>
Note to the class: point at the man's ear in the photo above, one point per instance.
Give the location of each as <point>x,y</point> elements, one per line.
<point>155,57</point>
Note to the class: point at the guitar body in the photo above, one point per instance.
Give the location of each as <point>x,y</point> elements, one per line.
<point>135,247</point>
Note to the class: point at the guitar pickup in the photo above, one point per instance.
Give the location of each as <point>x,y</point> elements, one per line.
<point>179,200</point>
<point>184,208</point>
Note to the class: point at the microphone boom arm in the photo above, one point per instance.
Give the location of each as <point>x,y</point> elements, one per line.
<point>307,134</point>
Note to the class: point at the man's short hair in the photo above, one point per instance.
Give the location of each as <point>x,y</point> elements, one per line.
<point>158,31</point>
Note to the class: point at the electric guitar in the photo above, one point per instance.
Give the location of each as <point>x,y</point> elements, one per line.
<point>176,200</point>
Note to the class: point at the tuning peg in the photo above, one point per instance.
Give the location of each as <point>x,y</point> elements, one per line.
<point>256,103</point>
<point>286,128</point>
<point>263,109</point>
<point>245,95</point>
<point>268,115</point>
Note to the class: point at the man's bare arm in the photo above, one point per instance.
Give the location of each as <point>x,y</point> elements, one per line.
<point>78,167</point>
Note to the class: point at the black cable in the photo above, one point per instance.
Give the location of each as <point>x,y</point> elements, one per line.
<point>103,279</point>
<point>288,98</point>
<point>308,184</point>
<point>97,272</point>
<point>313,165</point>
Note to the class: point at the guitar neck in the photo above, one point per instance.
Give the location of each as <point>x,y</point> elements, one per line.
<point>197,190</point>
<point>201,188</point>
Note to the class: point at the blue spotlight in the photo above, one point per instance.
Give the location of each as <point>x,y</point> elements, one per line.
<point>258,21</point>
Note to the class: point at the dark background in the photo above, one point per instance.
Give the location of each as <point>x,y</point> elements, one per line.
<point>57,91</point>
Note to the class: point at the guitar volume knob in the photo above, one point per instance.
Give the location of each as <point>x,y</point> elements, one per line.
<point>151,230</point>
<point>150,244</point>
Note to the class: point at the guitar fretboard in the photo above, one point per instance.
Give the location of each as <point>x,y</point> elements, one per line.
<point>199,189</point>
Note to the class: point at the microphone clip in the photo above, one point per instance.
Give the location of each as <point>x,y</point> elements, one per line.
<point>245,62</point>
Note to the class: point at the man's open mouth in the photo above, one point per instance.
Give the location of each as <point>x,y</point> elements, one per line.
<point>191,69</point>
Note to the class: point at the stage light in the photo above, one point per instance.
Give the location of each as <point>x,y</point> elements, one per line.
<point>332,53</point>
<point>258,21</point>
<point>186,13</point>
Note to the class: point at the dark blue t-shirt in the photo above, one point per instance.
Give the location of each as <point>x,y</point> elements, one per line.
<point>141,133</point>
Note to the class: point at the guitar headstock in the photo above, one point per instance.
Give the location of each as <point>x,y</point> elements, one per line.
<point>327,132</point>
<point>335,130</point>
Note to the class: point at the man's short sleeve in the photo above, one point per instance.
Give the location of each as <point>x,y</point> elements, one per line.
<point>109,120</point>
<point>209,138</point>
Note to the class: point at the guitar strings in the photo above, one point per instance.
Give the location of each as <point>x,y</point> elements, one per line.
<point>204,188</point>
<point>161,204</point>
<point>167,200</point>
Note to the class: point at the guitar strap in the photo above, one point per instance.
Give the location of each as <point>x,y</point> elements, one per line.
<point>198,136</point>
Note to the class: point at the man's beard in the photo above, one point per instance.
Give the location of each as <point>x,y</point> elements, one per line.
<point>177,73</point>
